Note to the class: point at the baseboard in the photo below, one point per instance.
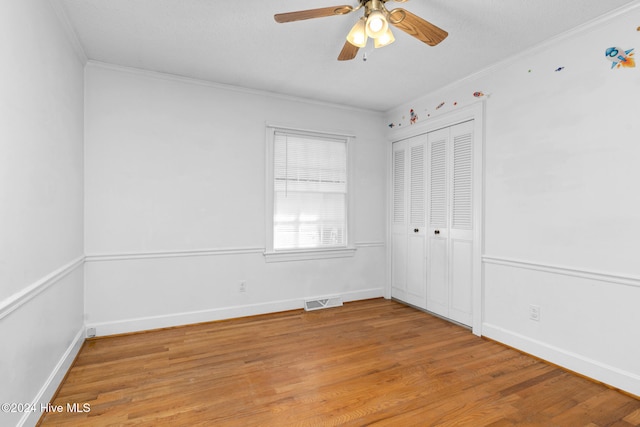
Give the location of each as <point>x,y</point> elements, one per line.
<point>50,386</point>
<point>178,319</point>
<point>609,375</point>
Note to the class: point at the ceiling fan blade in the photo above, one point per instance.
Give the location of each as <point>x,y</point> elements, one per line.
<point>348,52</point>
<point>416,26</point>
<point>312,13</point>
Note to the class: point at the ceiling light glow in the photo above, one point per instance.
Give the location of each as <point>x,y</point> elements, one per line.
<point>358,35</point>
<point>376,24</point>
<point>386,39</point>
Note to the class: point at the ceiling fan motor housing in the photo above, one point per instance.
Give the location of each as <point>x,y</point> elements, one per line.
<point>373,5</point>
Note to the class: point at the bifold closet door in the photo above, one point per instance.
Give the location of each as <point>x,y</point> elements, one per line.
<point>450,222</point>
<point>408,245</point>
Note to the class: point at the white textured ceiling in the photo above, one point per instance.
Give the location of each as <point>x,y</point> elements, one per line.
<point>239,43</point>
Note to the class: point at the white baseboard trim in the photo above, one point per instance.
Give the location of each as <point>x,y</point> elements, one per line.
<point>618,378</point>
<point>50,386</point>
<point>179,319</point>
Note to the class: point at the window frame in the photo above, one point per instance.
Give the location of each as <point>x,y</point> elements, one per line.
<point>273,255</point>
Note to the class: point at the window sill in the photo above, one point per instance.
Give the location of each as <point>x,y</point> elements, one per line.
<point>308,254</point>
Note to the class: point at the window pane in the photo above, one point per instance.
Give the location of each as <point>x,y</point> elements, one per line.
<point>309,220</point>
<point>310,191</point>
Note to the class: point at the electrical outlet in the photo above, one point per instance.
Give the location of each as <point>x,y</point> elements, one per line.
<point>242,287</point>
<point>534,312</point>
<point>91,332</point>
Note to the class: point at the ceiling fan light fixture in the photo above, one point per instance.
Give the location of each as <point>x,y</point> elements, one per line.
<point>358,34</point>
<point>384,40</point>
<point>377,24</point>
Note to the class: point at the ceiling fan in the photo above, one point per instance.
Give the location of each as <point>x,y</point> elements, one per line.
<point>374,24</point>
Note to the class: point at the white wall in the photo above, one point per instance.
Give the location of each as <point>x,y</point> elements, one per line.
<point>175,202</point>
<point>561,198</point>
<point>41,204</point>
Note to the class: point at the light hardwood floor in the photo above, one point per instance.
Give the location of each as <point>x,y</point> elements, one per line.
<point>374,362</point>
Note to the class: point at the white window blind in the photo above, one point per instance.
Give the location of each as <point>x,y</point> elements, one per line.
<point>310,192</point>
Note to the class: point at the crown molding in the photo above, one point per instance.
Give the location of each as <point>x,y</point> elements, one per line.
<point>540,47</point>
<point>69,30</point>
<point>221,86</point>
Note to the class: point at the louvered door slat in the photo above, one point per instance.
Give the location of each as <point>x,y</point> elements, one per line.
<point>438,186</point>
<point>417,186</point>
<point>398,186</point>
<point>462,209</point>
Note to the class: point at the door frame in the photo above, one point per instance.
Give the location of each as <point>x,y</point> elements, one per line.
<point>473,112</point>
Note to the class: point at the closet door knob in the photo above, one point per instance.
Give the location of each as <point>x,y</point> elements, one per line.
<point>436,232</point>
<point>416,230</point>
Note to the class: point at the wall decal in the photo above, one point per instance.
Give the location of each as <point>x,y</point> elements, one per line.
<point>559,69</point>
<point>478,94</point>
<point>391,125</point>
<point>440,106</point>
<point>414,116</point>
<point>620,57</point>
<point>455,103</point>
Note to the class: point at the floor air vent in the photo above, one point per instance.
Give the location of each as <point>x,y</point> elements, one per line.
<point>317,304</point>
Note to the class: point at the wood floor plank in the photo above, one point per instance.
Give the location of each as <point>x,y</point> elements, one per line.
<point>374,362</point>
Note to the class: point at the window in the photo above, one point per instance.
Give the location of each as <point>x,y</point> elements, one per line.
<point>307,195</point>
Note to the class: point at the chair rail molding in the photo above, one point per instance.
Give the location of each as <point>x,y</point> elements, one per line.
<point>563,270</point>
<point>19,298</point>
